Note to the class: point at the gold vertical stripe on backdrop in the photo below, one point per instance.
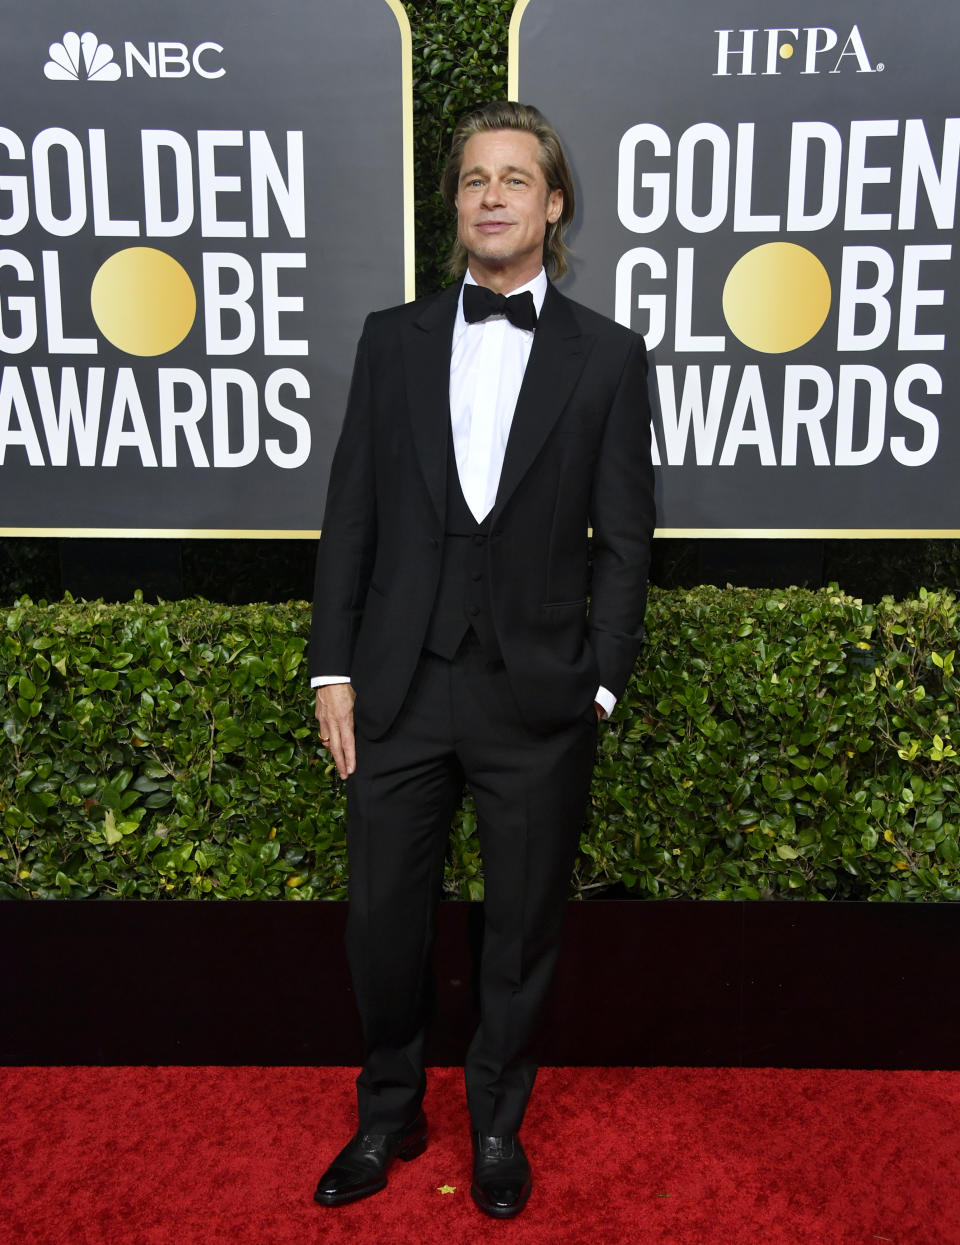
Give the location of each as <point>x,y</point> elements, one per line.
<point>513,50</point>
<point>406,91</point>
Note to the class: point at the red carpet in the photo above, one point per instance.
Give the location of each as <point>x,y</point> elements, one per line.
<point>151,1156</point>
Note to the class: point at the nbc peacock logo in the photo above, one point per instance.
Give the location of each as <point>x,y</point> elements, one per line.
<point>81,56</point>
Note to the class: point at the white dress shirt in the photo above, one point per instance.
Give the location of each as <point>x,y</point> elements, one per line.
<point>487,364</point>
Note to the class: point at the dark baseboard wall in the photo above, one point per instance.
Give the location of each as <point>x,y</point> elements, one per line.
<point>237,571</point>
<point>641,983</point>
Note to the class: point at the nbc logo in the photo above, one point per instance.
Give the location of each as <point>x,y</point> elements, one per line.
<point>162,59</point>
<point>66,56</point>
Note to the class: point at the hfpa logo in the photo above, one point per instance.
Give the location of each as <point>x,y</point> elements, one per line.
<point>741,54</point>
<point>84,57</point>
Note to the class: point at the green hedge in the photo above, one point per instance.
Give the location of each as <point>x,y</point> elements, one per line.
<point>773,744</point>
<point>459,62</point>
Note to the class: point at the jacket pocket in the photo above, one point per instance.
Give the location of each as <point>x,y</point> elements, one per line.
<point>579,603</point>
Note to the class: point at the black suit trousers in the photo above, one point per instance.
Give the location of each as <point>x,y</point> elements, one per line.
<point>460,724</point>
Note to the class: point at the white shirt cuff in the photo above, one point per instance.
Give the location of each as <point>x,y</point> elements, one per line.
<point>606,700</point>
<point>324,680</point>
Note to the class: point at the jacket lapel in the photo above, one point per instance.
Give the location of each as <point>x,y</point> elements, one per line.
<point>426,350</point>
<point>556,360</point>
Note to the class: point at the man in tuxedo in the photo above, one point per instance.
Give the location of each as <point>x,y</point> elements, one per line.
<point>465,632</point>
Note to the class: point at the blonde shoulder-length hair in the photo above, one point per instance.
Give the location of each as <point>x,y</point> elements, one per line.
<point>504,114</point>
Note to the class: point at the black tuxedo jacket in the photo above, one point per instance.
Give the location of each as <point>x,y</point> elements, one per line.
<point>578,456</point>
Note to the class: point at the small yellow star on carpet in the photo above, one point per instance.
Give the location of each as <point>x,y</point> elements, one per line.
<point>446,1188</point>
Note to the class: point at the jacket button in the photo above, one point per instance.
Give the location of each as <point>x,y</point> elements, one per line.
<point>476,575</point>
<point>479,540</point>
<point>473,611</point>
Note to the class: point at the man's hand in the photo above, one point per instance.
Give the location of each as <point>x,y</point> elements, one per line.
<point>335,715</point>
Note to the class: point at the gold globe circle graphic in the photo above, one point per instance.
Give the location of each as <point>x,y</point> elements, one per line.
<point>143,301</point>
<point>776,297</point>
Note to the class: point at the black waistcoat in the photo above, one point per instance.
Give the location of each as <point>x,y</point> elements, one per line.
<point>463,597</point>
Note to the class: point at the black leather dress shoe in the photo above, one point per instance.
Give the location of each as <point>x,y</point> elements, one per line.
<point>361,1166</point>
<point>501,1175</point>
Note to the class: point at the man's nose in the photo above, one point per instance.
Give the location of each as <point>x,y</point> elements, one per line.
<point>493,194</point>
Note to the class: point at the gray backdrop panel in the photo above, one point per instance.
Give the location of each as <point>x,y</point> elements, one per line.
<point>332,70</point>
<point>597,69</point>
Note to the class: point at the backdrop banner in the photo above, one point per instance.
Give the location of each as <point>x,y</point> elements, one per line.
<point>198,205</point>
<point>773,206</point>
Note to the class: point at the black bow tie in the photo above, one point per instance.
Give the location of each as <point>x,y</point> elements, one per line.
<point>479,302</point>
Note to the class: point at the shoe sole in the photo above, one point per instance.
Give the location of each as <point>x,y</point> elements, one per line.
<point>499,1212</point>
<point>412,1150</point>
<point>341,1199</point>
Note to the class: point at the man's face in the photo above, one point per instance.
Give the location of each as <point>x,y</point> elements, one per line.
<point>503,207</point>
